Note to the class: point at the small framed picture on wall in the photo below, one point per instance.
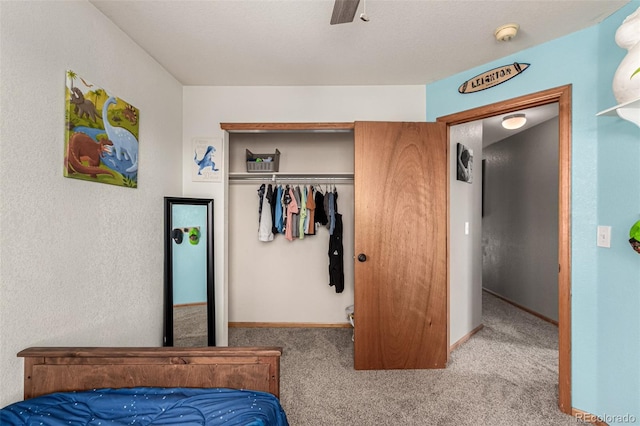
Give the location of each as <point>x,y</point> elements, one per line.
<point>465,164</point>
<point>207,160</point>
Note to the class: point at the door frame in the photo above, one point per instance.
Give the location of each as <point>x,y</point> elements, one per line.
<point>561,95</point>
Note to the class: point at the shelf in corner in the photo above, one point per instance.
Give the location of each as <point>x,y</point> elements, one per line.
<point>629,111</point>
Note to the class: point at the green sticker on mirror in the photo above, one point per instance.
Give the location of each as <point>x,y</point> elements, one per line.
<point>194,236</point>
<point>634,234</point>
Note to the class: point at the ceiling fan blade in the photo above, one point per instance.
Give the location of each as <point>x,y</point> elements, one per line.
<point>344,11</point>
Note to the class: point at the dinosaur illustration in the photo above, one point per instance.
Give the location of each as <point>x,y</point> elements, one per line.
<point>85,83</point>
<point>83,106</point>
<point>206,160</point>
<point>125,144</point>
<point>83,148</point>
<point>130,114</point>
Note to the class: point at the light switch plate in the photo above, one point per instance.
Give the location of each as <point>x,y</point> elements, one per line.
<point>604,236</point>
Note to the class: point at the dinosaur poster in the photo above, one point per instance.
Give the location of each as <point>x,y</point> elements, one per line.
<point>101,135</point>
<point>207,160</point>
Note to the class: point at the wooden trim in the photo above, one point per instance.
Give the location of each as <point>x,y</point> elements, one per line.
<point>519,306</point>
<point>239,324</point>
<point>448,145</point>
<point>564,251</point>
<point>286,127</point>
<point>562,95</point>
<point>587,417</point>
<point>527,101</point>
<point>146,352</point>
<point>64,369</point>
<point>464,338</point>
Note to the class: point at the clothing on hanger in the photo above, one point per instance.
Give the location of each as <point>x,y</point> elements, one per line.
<point>332,212</point>
<point>292,209</point>
<point>336,256</point>
<point>295,211</point>
<point>295,223</point>
<point>261,191</point>
<point>310,227</point>
<point>278,223</point>
<point>320,215</point>
<point>272,193</point>
<point>265,221</point>
<point>303,212</point>
<point>286,200</point>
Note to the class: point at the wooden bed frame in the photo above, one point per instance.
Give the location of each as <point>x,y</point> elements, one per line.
<point>48,370</point>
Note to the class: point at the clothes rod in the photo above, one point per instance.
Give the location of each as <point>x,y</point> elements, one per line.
<point>328,178</point>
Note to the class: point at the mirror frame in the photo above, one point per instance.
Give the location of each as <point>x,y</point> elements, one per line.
<point>169,202</point>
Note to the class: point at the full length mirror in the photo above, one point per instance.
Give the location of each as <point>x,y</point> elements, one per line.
<point>188,272</point>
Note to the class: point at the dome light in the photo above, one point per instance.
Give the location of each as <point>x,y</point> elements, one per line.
<point>514,121</point>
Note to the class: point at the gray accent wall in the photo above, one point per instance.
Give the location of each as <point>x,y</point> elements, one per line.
<point>520,222</point>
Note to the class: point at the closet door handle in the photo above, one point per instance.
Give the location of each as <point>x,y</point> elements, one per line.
<point>362,257</point>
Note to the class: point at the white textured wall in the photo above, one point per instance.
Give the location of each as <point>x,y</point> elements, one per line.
<point>465,251</point>
<point>206,107</point>
<point>82,263</point>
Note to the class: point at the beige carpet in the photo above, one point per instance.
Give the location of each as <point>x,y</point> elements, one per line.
<point>190,325</point>
<point>504,375</point>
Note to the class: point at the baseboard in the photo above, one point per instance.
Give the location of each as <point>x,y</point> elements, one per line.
<point>288,325</point>
<point>517,305</point>
<point>588,417</point>
<point>465,338</point>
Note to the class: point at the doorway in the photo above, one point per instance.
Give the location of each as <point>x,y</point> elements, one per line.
<point>520,211</point>
<point>561,95</point>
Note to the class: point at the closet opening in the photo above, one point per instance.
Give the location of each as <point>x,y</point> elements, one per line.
<point>276,279</point>
<point>562,97</point>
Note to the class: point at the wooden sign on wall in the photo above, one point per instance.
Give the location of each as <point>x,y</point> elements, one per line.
<point>492,77</point>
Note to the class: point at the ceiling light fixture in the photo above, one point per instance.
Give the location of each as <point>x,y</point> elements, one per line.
<point>506,32</point>
<point>514,121</point>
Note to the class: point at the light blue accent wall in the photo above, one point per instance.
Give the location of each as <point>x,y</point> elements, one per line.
<point>189,261</point>
<point>618,284</point>
<point>605,190</point>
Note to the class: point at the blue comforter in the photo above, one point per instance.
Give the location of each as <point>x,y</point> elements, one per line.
<point>148,406</point>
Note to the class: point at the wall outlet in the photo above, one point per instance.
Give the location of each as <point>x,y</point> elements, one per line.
<point>604,236</point>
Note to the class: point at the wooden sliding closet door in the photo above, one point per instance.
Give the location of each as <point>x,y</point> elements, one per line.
<point>400,245</point>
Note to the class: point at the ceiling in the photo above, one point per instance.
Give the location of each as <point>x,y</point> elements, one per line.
<point>290,42</point>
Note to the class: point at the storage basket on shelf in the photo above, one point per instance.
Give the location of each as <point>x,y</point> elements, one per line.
<point>263,163</point>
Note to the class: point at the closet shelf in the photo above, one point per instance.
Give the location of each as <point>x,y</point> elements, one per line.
<point>324,177</point>
<point>287,127</point>
<point>629,111</point>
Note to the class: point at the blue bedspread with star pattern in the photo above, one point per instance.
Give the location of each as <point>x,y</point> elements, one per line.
<point>148,406</point>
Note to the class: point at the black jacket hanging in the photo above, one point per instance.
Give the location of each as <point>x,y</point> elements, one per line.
<point>336,251</point>
<point>271,196</point>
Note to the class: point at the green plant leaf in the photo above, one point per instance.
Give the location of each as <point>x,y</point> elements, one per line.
<point>634,73</point>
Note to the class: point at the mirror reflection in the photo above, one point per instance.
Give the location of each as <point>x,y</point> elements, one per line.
<point>189,272</point>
